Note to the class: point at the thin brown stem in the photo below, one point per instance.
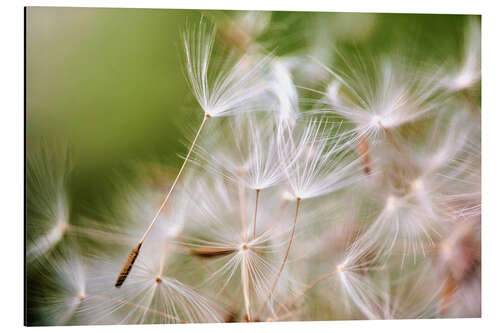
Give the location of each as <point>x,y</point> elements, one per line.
<point>246,286</point>
<point>243,207</point>
<point>285,258</point>
<point>257,191</point>
<point>133,255</point>
<point>155,218</point>
<point>364,154</point>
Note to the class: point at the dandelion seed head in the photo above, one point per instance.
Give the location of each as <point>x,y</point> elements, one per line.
<point>63,226</point>
<point>391,203</point>
<point>382,94</point>
<point>62,292</point>
<point>333,92</point>
<point>312,162</point>
<point>246,151</point>
<point>235,87</point>
<point>286,94</point>
<point>463,80</point>
<point>468,73</point>
<point>417,185</point>
<point>446,249</point>
<point>47,173</point>
<point>376,120</point>
<point>81,295</point>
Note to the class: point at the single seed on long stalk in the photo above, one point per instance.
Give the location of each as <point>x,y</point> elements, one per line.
<point>246,283</point>
<point>135,252</point>
<point>364,153</point>
<point>128,265</point>
<point>257,191</point>
<point>243,207</point>
<point>283,263</point>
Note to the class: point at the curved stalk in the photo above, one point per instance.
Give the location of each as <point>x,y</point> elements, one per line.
<point>257,191</point>
<point>246,287</point>
<point>285,258</point>
<point>243,208</point>
<point>135,252</point>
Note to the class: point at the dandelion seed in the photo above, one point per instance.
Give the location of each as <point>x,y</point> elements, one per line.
<point>63,291</point>
<point>316,162</point>
<point>247,156</point>
<point>231,92</point>
<point>286,94</point>
<point>457,257</point>
<point>47,175</point>
<point>469,72</point>
<point>403,297</point>
<point>153,293</point>
<point>313,168</point>
<point>378,96</point>
<point>247,153</point>
<point>237,258</point>
<point>230,89</point>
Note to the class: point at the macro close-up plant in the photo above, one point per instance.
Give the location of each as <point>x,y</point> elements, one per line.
<point>331,168</point>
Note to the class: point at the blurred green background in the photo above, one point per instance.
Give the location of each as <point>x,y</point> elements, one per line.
<point>109,83</point>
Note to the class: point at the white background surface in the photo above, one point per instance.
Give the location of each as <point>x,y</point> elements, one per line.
<point>12,168</point>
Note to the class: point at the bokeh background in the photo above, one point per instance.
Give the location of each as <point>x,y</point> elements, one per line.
<point>109,82</point>
<point>108,85</point>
